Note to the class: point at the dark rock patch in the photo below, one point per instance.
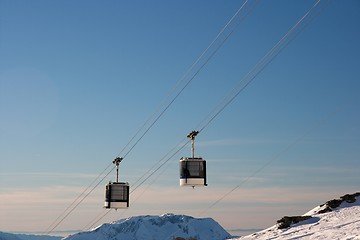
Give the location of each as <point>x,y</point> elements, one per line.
<point>329,206</point>
<point>335,203</point>
<point>287,221</point>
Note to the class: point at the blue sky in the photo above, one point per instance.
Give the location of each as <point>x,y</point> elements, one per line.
<point>78,79</point>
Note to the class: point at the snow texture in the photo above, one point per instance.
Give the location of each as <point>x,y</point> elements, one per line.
<point>168,226</point>
<point>342,222</point>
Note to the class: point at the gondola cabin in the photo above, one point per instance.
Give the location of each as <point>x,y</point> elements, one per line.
<point>116,195</point>
<point>192,172</point>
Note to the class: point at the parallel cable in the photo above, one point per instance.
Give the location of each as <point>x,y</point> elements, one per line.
<point>75,200</point>
<point>269,56</point>
<point>100,216</point>
<point>75,206</point>
<point>243,84</point>
<point>245,81</point>
<point>143,179</point>
<point>199,69</point>
<point>188,82</point>
<point>132,202</point>
<point>257,69</point>
<point>276,157</point>
<point>161,161</point>
<point>167,160</point>
<point>187,73</point>
<point>296,141</point>
<point>270,161</point>
<point>157,118</point>
<point>261,65</point>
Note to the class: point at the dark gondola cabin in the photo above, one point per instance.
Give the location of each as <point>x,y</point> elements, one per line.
<point>192,172</point>
<point>117,195</point>
<point>192,169</point>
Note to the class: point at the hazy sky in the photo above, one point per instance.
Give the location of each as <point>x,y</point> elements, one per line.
<point>79,78</point>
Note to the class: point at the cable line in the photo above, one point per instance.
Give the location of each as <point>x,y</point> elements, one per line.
<point>181,80</point>
<point>75,200</point>
<point>258,68</point>
<point>265,61</point>
<point>144,178</point>
<point>181,148</point>
<point>269,56</point>
<point>73,206</point>
<point>270,161</point>
<point>195,74</point>
<point>157,163</point>
<point>296,141</point>
<point>245,81</point>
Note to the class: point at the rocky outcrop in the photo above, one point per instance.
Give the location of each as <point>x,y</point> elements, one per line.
<point>329,206</point>
<point>286,221</point>
<point>335,203</point>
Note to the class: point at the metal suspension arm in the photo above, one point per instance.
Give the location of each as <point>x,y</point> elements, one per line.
<point>117,161</point>
<point>192,136</point>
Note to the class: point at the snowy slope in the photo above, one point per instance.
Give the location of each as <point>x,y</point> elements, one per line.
<point>168,226</point>
<point>342,222</point>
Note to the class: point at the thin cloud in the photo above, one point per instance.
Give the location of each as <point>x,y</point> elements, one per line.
<point>45,195</point>
<point>180,196</point>
<point>48,174</point>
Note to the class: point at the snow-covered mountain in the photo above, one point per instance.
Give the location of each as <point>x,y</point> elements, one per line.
<point>336,219</point>
<point>168,226</point>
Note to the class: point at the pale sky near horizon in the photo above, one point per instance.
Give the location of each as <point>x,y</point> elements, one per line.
<point>79,78</point>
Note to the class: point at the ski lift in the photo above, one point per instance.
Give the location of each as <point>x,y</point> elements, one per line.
<point>192,169</point>
<point>117,193</point>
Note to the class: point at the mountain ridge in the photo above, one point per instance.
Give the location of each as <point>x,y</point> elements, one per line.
<point>166,226</point>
